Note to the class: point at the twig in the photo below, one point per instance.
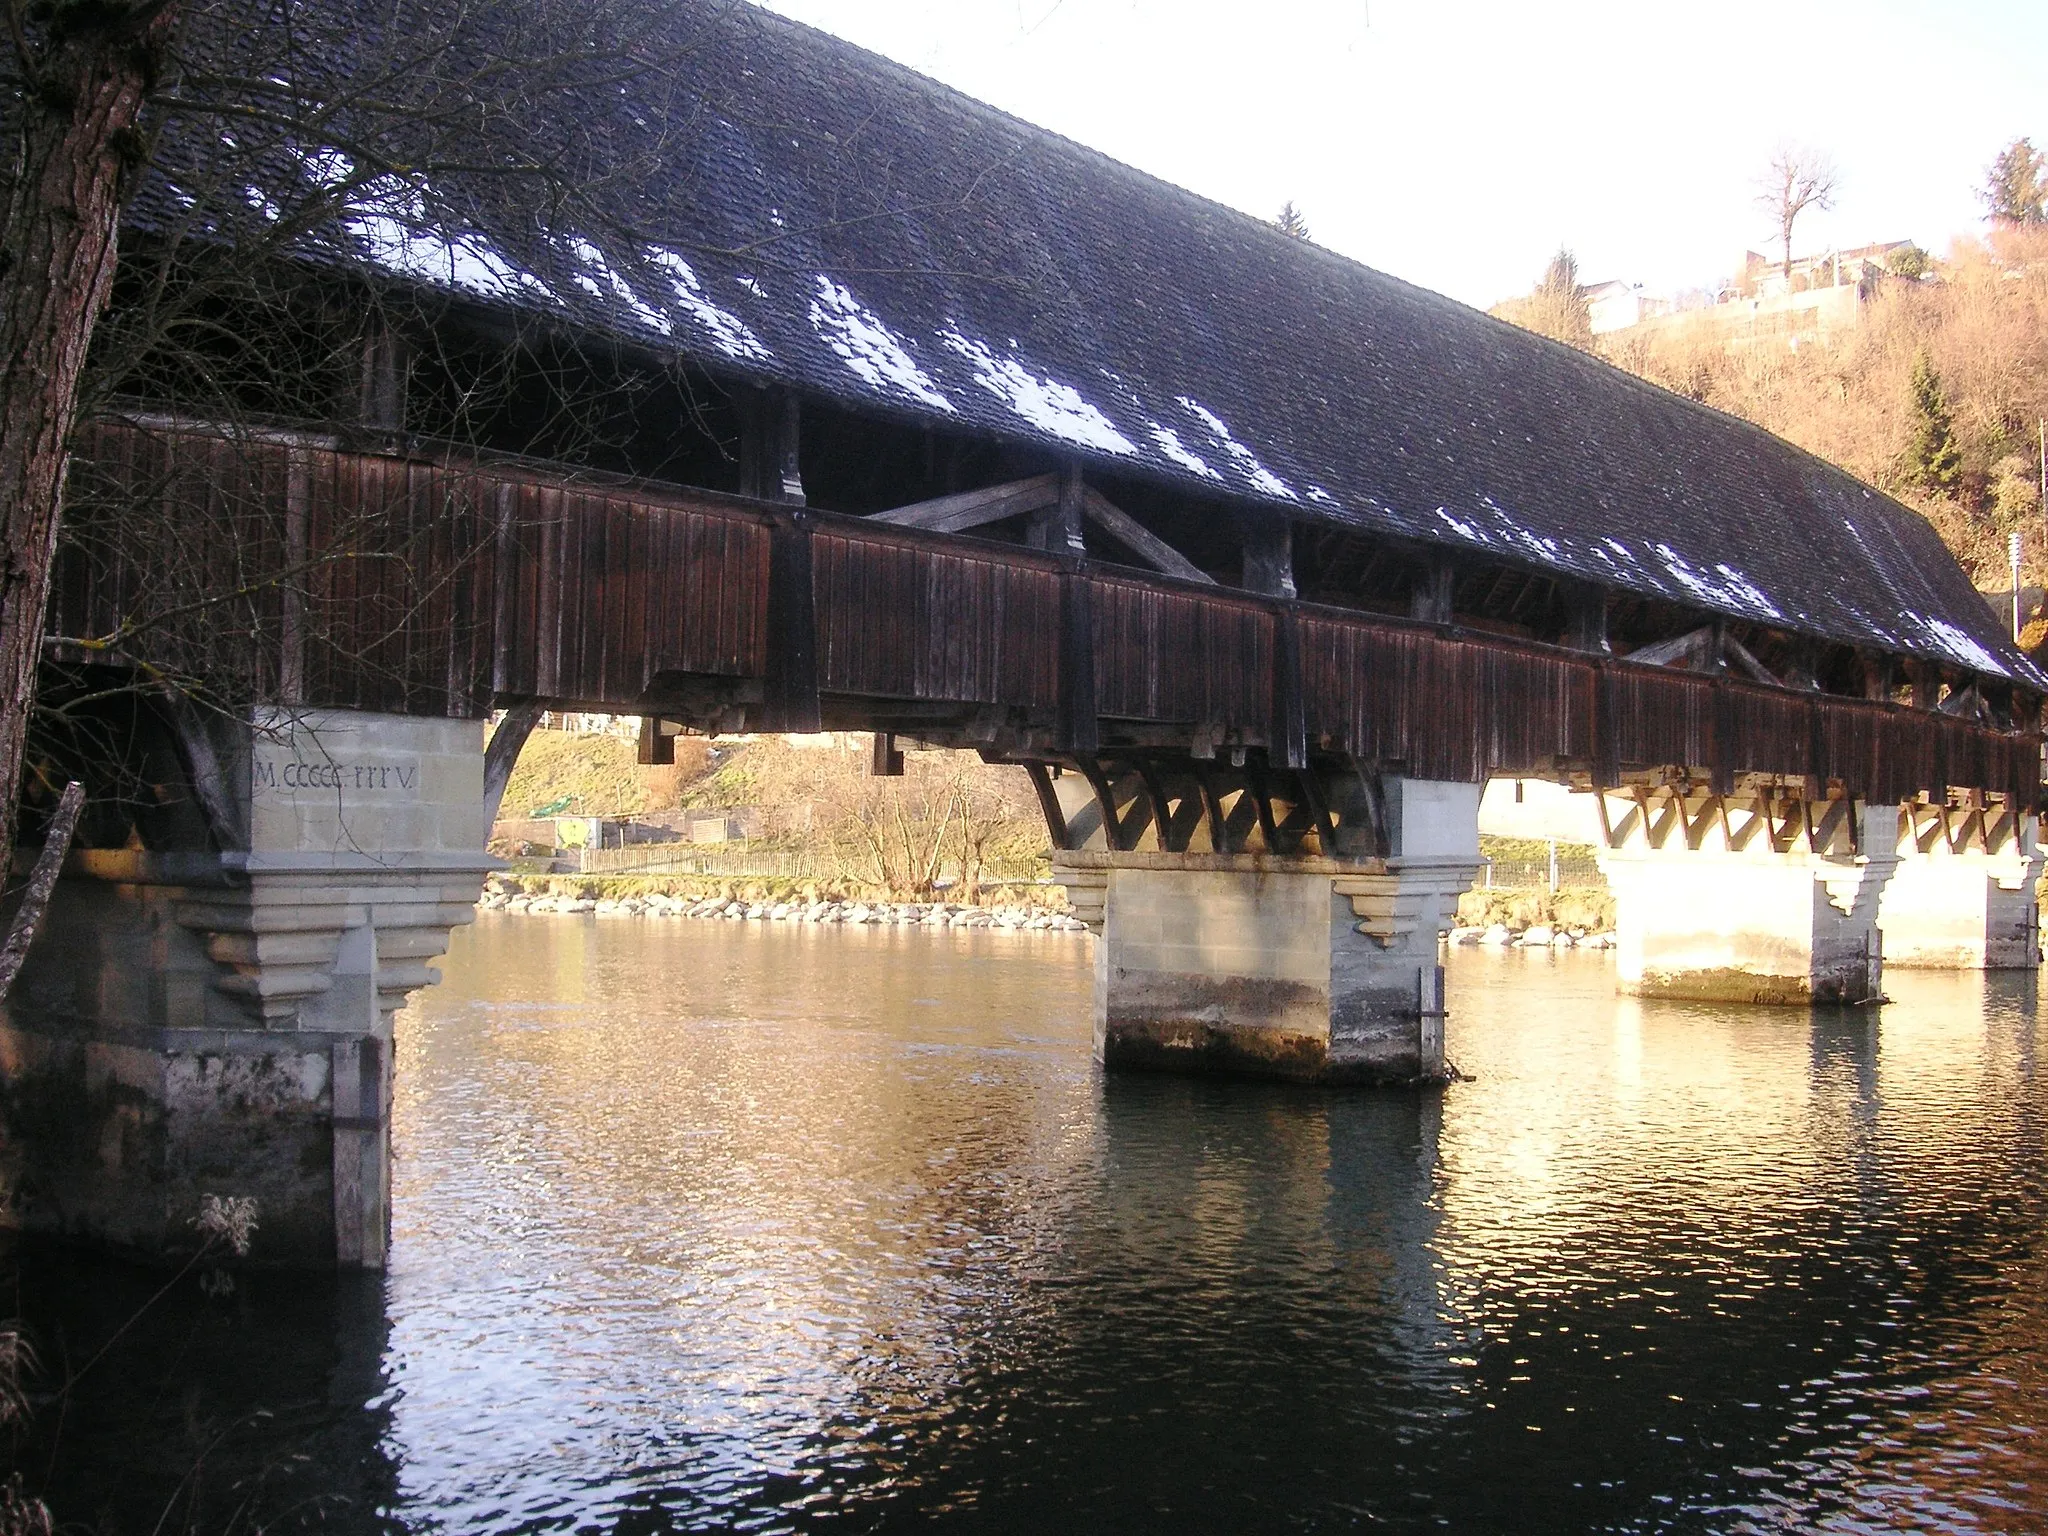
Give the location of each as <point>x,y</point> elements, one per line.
<point>55,845</point>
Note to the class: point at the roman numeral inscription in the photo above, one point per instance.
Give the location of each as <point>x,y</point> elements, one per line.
<point>291,776</point>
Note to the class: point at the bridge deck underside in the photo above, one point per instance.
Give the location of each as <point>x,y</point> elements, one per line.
<point>445,587</point>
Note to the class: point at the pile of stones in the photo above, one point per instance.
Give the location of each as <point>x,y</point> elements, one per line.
<point>1540,936</point>
<point>886,914</point>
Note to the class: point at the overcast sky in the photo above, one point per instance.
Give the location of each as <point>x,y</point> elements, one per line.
<point>1456,143</point>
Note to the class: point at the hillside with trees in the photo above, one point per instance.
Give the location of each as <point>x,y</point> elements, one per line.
<point>1935,396</point>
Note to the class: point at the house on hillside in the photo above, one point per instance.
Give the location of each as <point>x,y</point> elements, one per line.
<point>1863,268</point>
<point>1615,305</point>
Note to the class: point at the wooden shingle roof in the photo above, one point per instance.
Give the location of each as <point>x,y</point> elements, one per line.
<point>840,224</point>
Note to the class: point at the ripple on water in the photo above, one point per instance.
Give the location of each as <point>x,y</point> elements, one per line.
<point>726,1226</point>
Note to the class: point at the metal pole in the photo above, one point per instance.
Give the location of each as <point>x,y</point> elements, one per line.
<point>2012,550</point>
<point>1553,866</point>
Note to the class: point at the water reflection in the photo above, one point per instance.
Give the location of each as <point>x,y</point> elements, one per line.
<point>734,1225</point>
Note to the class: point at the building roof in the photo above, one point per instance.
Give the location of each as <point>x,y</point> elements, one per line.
<point>832,221</point>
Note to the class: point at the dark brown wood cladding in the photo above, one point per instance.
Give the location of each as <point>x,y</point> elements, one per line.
<point>609,592</point>
<point>443,586</point>
<point>911,620</point>
<point>1163,654</point>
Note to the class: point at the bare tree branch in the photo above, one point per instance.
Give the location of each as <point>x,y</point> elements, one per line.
<point>56,844</point>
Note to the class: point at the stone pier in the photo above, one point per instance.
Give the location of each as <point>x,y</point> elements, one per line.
<point>1755,899</point>
<point>1313,969</point>
<point>218,1021</point>
<point>1964,896</point>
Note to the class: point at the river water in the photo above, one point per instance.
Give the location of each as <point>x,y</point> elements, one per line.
<point>765,1227</point>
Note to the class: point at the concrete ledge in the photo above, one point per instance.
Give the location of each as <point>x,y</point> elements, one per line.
<point>1221,863</point>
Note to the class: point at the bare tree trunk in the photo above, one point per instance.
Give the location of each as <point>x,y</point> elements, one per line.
<point>41,882</point>
<point>85,75</point>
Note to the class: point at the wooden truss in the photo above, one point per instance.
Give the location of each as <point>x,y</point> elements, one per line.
<point>1185,805</point>
<point>1674,819</point>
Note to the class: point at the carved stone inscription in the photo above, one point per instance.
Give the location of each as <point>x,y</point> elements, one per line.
<point>296,775</point>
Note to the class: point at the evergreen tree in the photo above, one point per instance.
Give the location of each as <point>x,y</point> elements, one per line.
<point>1934,460</point>
<point>1291,221</point>
<point>2016,188</point>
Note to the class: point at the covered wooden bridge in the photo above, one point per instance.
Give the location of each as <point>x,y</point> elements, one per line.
<point>915,419</point>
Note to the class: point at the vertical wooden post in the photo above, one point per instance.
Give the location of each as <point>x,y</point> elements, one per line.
<point>1290,717</point>
<point>1058,529</point>
<point>657,747</point>
<point>298,502</point>
<point>771,446</point>
<point>387,366</point>
<point>1268,545</point>
<point>1431,598</point>
<point>1587,626</point>
<point>788,451</point>
<point>1722,769</point>
<point>792,683</point>
<point>1606,750</point>
<point>1079,729</point>
<point>887,761</point>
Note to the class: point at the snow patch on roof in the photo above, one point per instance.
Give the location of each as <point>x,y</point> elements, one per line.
<point>606,284</point>
<point>1047,404</point>
<point>874,353</point>
<point>1956,645</point>
<point>1323,498</point>
<point>397,236</point>
<point>728,332</point>
<point>1723,586</point>
<point>1170,444</point>
<point>1464,530</point>
<point>1248,464</point>
<point>1542,547</point>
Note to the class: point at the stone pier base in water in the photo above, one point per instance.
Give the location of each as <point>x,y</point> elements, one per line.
<point>218,1021</point>
<point>1964,895</point>
<point>1311,969</point>
<point>1747,900</point>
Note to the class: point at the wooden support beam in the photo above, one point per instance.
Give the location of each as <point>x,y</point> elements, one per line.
<point>1220,840</point>
<point>1079,729</point>
<point>1049,806</point>
<point>1155,801</point>
<point>1586,629</point>
<point>1681,648</point>
<point>1268,544</point>
<point>1140,540</point>
<point>974,509</point>
<point>1430,599</point>
<point>386,377</point>
<point>1056,529</point>
<point>887,762</point>
<point>792,691</point>
<point>1740,655</point>
<point>657,747</point>
<point>1880,677</point>
<point>771,440</point>
<point>501,756</point>
<point>1290,713</point>
<point>1926,680</point>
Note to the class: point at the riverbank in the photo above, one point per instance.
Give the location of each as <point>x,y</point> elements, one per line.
<point>596,897</point>
<point>816,910</point>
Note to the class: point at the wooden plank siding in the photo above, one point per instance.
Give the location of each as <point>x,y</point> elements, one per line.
<point>443,586</point>
<point>904,619</point>
<point>1184,657</point>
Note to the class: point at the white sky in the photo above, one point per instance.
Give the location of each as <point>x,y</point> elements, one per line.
<point>1456,143</point>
